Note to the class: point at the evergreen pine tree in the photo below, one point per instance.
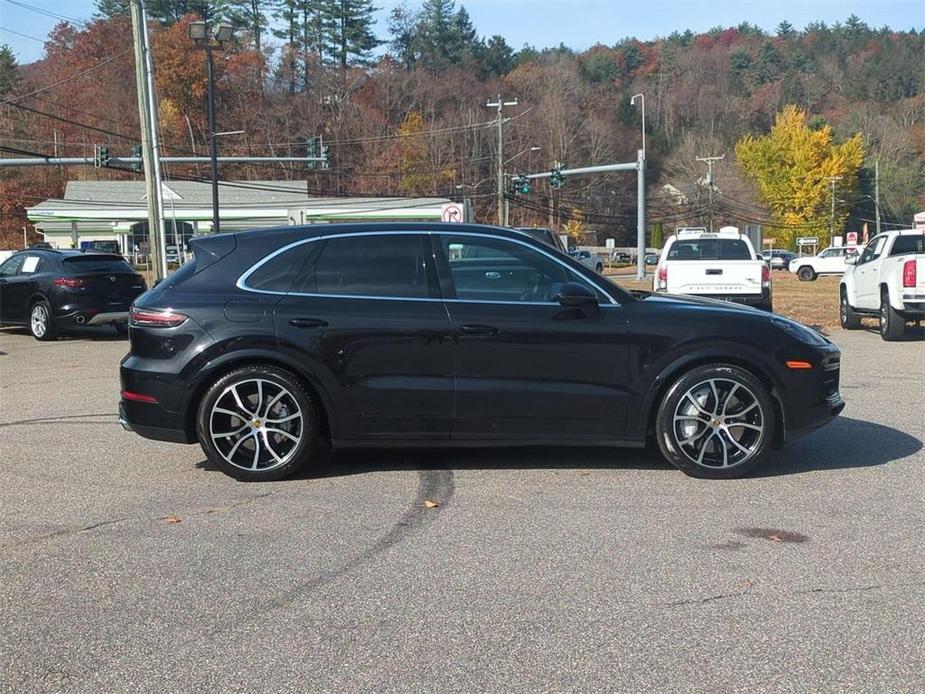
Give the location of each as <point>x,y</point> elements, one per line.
<point>8,70</point>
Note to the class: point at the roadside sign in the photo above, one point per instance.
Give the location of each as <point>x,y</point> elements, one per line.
<point>808,241</point>
<point>610,243</point>
<point>851,238</point>
<point>452,212</point>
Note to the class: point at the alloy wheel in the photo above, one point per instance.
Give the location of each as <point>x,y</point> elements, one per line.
<point>719,423</point>
<point>256,425</point>
<point>39,320</point>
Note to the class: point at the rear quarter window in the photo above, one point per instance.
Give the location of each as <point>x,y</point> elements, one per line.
<point>280,273</point>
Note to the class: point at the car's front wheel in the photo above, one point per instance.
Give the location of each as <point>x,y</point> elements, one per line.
<point>716,421</point>
<point>42,322</point>
<point>257,424</point>
<point>806,274</point>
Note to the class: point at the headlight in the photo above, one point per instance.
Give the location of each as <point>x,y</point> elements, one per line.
<point>799,331</point>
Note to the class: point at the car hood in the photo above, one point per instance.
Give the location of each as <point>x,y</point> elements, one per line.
<point>696,303</point>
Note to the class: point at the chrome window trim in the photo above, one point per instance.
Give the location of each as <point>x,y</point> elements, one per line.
<point>241,283</point>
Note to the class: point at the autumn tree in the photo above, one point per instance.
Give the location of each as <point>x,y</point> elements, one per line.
<point>793,166</point>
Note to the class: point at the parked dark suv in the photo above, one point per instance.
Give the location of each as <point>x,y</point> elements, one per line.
<point>268,342</point>
<point>51,291</point>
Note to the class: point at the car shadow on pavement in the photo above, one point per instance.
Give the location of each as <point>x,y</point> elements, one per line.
<point>844,443</point>
<point>101,334</point>
<point>912,334</point>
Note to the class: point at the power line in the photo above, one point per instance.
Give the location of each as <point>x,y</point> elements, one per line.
<point>25,36</point>
<point>67,79</point>
<point>48,13</point>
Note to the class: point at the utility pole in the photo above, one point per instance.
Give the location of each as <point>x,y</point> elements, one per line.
<point>499,105</point>
<point>832,180</point>
<point>877,193</point>
<point>709,161</point>
<point>148,141</point>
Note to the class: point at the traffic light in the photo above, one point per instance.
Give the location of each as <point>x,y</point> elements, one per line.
<point>312,152</point>
<point>136,154</point>
<point>556,179</point>
<point>102,156</point>
<point>326,156</point>
<point>520,184</point>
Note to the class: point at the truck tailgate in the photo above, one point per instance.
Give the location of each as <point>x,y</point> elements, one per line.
<point>719,277</point>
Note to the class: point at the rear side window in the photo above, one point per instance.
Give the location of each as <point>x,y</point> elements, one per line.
<point>280,272</point>
<point>909,244</point>
<point>372,266</point>
<point>709,249</point>
<point>83,264</point>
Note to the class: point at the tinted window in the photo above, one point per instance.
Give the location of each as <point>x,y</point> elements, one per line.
<point>11,266</point>
<point>484,269</point>
<point>374,265</point>
<point>709,249</point>
<point>81,264</point>
<point>908,244</point>
<point>279,273</point>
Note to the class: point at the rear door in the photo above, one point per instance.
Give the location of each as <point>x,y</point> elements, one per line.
<point>109,282</point>
<point>367,318</point>
<point>527,368</point>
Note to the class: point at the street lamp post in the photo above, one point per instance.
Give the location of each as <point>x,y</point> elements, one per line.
<point>642,99</point>
<point>204,36</point>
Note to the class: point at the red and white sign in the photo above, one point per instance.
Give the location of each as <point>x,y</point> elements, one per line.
<point>452,212</point>
<point>851,238</point>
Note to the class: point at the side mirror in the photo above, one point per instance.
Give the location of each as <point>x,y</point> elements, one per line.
<point>574,295</point>
<point>851,259</point>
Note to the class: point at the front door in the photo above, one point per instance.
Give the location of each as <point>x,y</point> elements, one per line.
<point>367,315</point>
<point>867,274</point>
<point>526,367</point>
<point>15,288</point>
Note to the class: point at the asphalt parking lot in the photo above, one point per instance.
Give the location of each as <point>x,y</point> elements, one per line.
<point>130,565</point>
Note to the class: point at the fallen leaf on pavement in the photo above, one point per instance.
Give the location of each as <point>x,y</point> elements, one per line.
<point>173,519</point>
<point>430,504</point>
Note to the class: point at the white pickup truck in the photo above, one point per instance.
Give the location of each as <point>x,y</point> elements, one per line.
<point>721,265</point>
<point>887,280</point>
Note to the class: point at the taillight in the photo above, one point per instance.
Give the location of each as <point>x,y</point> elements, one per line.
<point>663,277</point>
<point>69,282</point>
<point>909,277</point>
<point>765,275</point>
<point>156,319</point>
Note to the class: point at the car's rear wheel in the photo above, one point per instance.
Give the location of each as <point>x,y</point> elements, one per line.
<point>847,317</point>
<point>806,274</point>
<point>892,323</point>
<point>716,421</point>
<point>258,424</point>
<point>42,322</point>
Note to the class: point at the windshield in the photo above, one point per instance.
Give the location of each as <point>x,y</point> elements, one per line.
<point>96,263</point>
<point>709,249</point>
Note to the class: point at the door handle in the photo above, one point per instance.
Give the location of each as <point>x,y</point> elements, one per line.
<point>307,322</point>
<point>714,271</point>
<point>493,275</point>
<point>478,329</point>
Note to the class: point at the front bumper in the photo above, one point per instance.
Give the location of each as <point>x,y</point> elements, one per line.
<point>812,395</point>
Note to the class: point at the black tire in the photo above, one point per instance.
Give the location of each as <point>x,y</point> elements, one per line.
<point>734,391</point>
<point>42,322</point>
<point>766,306</point>
<point>599,268</point>
<point>121,328</point>
<point>892,323</point>
<point>806,274</point>
<point>238,392</point>
<point>847,317</point>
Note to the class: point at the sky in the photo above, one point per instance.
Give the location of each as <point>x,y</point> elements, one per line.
<point>576,23</point>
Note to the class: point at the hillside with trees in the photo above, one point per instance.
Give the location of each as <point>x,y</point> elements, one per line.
<point>405,113</point>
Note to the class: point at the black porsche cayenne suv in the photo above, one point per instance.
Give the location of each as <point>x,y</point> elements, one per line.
<point>271,342</point>
<point>51,291</point>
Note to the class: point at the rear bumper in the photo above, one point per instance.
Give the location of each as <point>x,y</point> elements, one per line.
<point>913,303</point>
<point>93,316</point>
<point>748,299</point>
<point>153,422</point>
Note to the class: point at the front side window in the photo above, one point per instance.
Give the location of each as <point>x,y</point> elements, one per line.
<point>375,265</point>
<point>490,269</point>
<point>873,250</point>
<point>11,266</point>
